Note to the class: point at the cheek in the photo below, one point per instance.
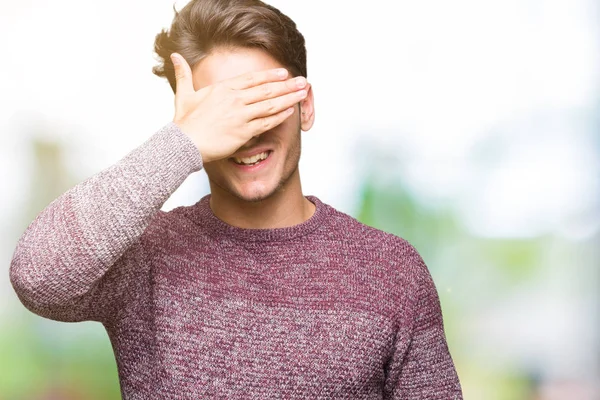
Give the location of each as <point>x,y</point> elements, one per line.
<point>289,132</point>
<point>215,167</point>
<point>292,123</point>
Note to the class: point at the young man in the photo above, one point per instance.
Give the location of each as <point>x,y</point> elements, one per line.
<point>256,291</point>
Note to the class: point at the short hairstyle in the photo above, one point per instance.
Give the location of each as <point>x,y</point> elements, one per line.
<point>204,25</point>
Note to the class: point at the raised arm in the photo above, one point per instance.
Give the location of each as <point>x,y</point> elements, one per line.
<point>73,242</point>
<point>61,258</point>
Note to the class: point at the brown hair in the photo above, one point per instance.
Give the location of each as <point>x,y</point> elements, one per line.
<point>203,25</point>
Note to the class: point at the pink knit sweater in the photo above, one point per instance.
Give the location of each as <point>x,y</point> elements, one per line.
<point>196,308</point>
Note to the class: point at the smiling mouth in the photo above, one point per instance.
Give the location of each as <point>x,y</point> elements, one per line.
<point>254,160</point>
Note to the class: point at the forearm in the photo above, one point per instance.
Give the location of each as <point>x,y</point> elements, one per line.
<point>73,242</point>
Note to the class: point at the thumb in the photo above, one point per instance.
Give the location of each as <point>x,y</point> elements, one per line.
<point>183,75</point>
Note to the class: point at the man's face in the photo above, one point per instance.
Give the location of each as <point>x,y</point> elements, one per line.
<point>282,143</point>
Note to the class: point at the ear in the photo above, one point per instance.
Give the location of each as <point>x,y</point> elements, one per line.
<point>307,110</point>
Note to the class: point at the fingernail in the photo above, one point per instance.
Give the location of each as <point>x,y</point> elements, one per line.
<point>302,93</point>
<point>282,73</point>
<point>174,59</point>
<point>300,82</point>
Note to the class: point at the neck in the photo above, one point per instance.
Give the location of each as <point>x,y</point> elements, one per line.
<point>284,208</point>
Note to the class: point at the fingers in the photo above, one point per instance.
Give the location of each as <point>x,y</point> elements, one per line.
<point>260,125</point>
<point>183,75</point>
<point>274,105</point>
<point>272,89</point>
<point>252,79</point>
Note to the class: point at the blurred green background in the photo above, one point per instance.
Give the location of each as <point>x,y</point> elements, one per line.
<point>472,130</point>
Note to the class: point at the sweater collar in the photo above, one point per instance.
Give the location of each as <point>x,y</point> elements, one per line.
<point>206,217</point>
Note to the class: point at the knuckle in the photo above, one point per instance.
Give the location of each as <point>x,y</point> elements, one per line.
<point>270,106</point>
<point>267,91</point>
<point>266,123</point>
<point>237,98</point>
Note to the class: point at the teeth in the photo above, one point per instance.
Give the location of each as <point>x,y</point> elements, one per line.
<point>251,160</point>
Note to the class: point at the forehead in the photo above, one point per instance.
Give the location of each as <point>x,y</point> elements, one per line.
<point>225,63</point>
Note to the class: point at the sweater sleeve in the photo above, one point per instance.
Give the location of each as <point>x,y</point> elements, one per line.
<point>421,366</point>
<point>58,265</point>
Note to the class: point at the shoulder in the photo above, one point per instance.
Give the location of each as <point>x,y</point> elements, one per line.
<point>369,239</point>
<point>388,259</point>
<point>170,224</point>
<point>395,254</point>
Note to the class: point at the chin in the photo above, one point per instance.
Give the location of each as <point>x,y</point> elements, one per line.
<point>254,194</point>
<point>251,190</point>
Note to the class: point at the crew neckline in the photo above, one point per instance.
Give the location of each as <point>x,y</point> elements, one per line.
<point>207,218</point>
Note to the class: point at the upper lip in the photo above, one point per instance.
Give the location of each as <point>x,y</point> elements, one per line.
<point>251,153</point>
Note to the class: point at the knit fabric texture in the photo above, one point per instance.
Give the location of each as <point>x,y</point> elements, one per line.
<point>199,309</point>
